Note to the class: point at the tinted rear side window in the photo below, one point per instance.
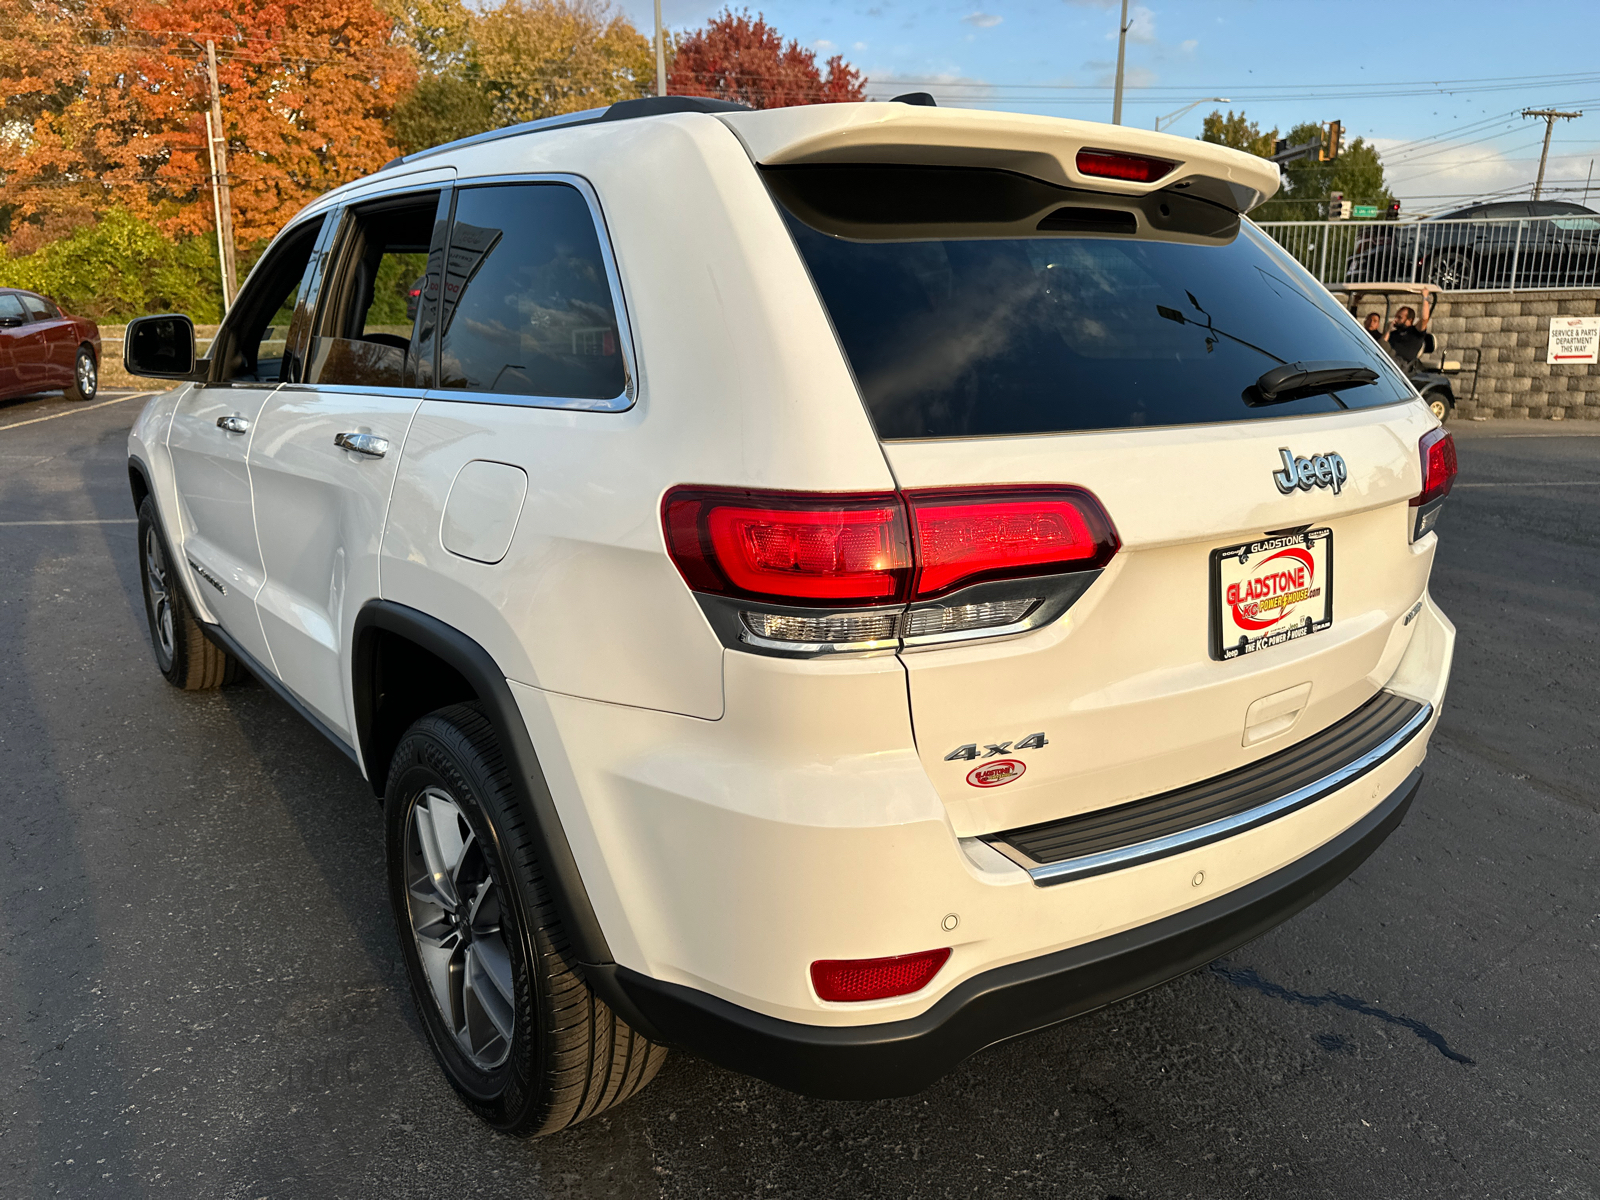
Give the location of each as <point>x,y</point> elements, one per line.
<point>963,336</point>
<point>527,301</point>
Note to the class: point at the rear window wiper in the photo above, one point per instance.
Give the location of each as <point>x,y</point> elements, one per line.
<point>1294,380</point>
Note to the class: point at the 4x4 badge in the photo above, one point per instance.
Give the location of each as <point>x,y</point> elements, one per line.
<point>1034,741</point>
<point>1320,470</point>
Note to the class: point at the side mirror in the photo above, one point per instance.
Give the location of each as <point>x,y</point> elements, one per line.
<point>12,322</point>
<point>160,347</point>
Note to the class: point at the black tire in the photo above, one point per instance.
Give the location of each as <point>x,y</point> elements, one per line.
<point>567,1056</point>
<point>187,657</point>
<point>85,376</point>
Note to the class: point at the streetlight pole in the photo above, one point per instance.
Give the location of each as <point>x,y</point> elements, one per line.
<point>661,55</point>
<point>1551,116</point>
<point>1173,116</point>
<point>1122,52</point>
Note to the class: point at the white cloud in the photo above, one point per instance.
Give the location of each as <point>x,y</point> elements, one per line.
<point>858,47</point>
<point>1141,25</point>
<point>1445,176</point>
<point>982,20</point>
<point>823,46</point>
<point>1188,45</point>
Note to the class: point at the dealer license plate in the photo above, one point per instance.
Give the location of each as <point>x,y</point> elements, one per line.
<point>1270,591</point>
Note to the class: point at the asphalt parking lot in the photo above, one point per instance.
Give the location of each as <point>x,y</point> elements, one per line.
<point>200,993</point>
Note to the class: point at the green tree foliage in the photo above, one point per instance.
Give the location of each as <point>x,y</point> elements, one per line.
<point>1307,183</point>
<point>122,266</point>
<point>1235,131</point>
<point>442,108</point>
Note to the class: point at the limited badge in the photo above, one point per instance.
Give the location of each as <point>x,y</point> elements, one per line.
<point>993,774</point>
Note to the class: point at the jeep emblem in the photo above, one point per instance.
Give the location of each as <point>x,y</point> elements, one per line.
<point>1320,470</point>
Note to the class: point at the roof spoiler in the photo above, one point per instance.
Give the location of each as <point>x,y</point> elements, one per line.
<point>1046,148</point>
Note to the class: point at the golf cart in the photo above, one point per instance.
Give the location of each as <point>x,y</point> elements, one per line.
<point>1431,378</point>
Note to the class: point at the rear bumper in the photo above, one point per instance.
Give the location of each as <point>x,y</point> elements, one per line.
<point>902,1057</point>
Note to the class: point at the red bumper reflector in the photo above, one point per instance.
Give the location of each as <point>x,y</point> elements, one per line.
<point>852,979</point>
<point>1438,466</point>
<point>1135,168</point>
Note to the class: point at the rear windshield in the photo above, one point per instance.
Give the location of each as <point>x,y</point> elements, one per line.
<point>958,336</point>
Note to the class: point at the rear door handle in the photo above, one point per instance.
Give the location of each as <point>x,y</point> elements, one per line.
<point>369,444</point>
<point>234,424</point>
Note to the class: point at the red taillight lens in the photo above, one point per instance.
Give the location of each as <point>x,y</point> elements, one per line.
<point>790,548</point>
<point>1438,466</point>
<point>1110,164</point>
<point>969,536</point>
<point>850,979</point>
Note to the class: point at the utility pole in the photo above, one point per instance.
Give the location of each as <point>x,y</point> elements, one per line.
<point>1551,116</point>
<point>1122,51</point>
<point>216,210</point>
<point>661,55</point>
<point>218,145</point>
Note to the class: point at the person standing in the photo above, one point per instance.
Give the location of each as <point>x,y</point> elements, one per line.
<point>1408,339</point>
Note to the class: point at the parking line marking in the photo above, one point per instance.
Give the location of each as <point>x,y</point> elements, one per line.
<point>90,521</point>
<point>72,411</point>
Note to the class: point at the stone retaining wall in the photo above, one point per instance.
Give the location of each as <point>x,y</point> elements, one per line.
<point>1512,331</point>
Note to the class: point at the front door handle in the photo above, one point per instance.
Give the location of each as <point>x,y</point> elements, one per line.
<point>369,444</point>
<point>234,424</point>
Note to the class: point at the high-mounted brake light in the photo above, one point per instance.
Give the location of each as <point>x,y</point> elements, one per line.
<point>1113,164</point>
<point>969,536</point>
<point>868,556</point>
<point>1438,450</point>
<point>856,979</point>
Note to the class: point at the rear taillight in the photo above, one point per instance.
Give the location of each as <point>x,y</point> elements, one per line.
<point>789,548</point>
<point>1112,164</point>
<point>966,537</point>
<point>920,566</point>
<point>854,979</point>
<point>1438,451</point>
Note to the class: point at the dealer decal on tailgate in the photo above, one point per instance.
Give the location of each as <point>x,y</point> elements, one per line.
<point>1269,592</point>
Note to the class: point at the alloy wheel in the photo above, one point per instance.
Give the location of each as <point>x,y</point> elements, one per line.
<point>88,376</point>
<point>160,592</point>
<point>1438,408</point>
<point>460,929</point>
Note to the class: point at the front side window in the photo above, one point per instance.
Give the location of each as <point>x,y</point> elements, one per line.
<point>256,342</point>
<point>527,304</point>
<point>11,310</point>
<point>992,333</point>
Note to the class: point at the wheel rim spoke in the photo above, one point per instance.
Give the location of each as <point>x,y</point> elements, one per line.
<point>456,921</point>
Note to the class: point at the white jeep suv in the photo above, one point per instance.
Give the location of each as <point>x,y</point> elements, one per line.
<point>829,588</point>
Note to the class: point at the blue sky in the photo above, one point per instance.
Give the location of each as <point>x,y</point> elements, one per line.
<point>1437,87</point>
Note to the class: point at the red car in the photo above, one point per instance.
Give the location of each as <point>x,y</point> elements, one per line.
<point>43,349</point>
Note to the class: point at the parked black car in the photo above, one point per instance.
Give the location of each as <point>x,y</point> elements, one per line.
<point>1523,243</point>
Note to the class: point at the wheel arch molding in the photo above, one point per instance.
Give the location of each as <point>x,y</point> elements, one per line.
<point>426,662</point>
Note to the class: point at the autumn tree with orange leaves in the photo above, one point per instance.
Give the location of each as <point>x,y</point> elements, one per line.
<point>104,107</point>
<point>744,60</point>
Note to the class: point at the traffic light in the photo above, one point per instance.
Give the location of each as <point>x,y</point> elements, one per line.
<point>1332,136</point>
<point>1339,209</point>
<point>1394,210</point>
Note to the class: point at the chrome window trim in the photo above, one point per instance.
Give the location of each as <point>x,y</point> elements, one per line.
<point>627,397</point>
<point>1123,857</point>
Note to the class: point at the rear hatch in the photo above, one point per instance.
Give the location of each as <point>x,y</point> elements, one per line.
<point>1144,344</point>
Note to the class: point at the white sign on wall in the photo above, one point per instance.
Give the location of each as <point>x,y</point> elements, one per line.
<point>1574,340</point>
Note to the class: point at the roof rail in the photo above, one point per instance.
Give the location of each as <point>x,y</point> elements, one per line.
<point>622,110</point>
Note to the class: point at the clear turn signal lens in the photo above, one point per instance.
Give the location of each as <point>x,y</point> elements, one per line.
<point>835,628</point>
<point>958,618</point>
